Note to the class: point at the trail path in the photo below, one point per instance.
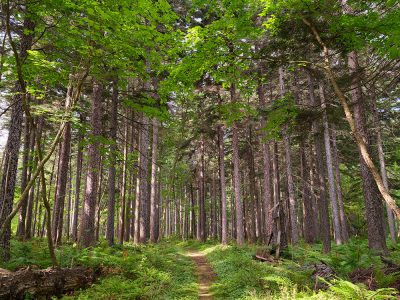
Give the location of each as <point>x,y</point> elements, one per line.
<point>204,272</point>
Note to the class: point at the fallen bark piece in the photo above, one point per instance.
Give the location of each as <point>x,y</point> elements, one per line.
<point>44,283</point>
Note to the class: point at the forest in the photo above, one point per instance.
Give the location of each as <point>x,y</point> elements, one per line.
<point>199,149</point>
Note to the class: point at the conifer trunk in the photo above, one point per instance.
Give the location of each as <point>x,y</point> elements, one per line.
<point>87,237</point>
<point>112,168</point>
<point>236,176</point>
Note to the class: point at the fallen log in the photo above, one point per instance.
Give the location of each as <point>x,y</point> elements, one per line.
<point>44,283</point>
<point>264,259</point>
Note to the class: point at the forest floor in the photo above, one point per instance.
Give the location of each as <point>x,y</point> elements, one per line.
<point>173,269</point>
<point>204,272</point>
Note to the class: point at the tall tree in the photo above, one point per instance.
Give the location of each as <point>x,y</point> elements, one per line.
<point>11,151</point>
<point>153,184</point>
<point>87,237</point>
<point>112,167</point>
<point>236,175</point>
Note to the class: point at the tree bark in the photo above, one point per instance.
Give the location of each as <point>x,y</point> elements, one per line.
<point>202,209</point>
<point>309,218</point>
<point>253,189</point>
<point>382,165</point>
<point>87,237</point>
<point>337,226</point>
<point>320,171</point>
<point>236,176</point>
<point>24,178</point>
<point>11,150</point>
<point>122,214</point>
<point>112,167</point>
<point>79,160</point>
<point>144,184</point>
<point>153,184</point>
<point>267,189</point>
<point>373,203</point>
<point>294,232</point>
<point>36,134</point>
<point>62,174</point>
<point>343,220</point>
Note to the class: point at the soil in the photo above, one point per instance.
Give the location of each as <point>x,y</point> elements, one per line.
<point>204,272</point>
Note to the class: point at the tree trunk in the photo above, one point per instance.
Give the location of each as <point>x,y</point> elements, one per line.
<point>31,169</point>
<point>113,162</point>
<point>192,213</point>
<point>11,150</point>
<point>122,214</point>
<point>310,232</point>
<point>202,209</point>
<point>153,190</point>
<point>144,184</point>
<point>337,227</point>
<point>62,174</point>
<point>69,206</point>
<point>253,188</point>
<point>267,200</point>
<point>79,160</point>
<point>24,178</point>
<point>221,160</point>
<point>382,165</point>
<point>87,238</point>
<point>320,171</point>
<point>343,221</point>
<point>236,176</point>
<point>373,203</point>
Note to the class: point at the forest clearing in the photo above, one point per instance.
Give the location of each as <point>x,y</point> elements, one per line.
<point>199,149</point>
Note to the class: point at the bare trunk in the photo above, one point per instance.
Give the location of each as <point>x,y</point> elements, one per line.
<point>221,160</point>
<point>144,184</point>
<point>267,201</point>
<point>69,206</point>
<point>382,165</point>
<point>236,177</point>
<point>112,169</point>
<point>122,215</point>
<point>253,189</point>
<point>31,169</point>
<point>337,227</point>
<point>79,158</point>
<point>153,190</point>
<point>87,238</point>
<point>202,209</point>
<point>320,178</point>
<point>24,178</point>
<point>62,175</point>
<point>343,220</point>
<point>373,203</point>
<point>11,151</point>
<point>309,218</point>
<point>192,213</point>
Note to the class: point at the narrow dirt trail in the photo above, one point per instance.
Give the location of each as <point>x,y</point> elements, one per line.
<point>204,272</point>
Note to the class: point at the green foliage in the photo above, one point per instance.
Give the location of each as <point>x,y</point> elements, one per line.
<point>341,289</point>
<point>282,113</point>
<point>159,271</point>
<point>239,276</point>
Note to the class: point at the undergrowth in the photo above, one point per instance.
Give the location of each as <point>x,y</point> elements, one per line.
<point>159,271</point>
<point>239,276</point>
<point>163,271</point>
